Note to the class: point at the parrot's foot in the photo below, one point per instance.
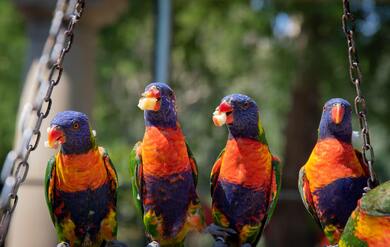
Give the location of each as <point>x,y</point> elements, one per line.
<point>115,243</point>
<point>153,244</point>
<point>220,232</point>
<point>63,244</point>
<point>220,242</point>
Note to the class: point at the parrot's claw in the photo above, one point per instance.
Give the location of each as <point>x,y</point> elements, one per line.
<point>220,242</point>
<point>63,244</point>
<point>153,244</point>
<point>218,231</point>
<point>115,243</point>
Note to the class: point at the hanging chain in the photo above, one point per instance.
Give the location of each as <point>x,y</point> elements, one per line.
<point>16,166</point>
<point>355,74</point>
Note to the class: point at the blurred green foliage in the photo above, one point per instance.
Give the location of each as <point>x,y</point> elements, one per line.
<point>12,54</point>
<point>219,47</point>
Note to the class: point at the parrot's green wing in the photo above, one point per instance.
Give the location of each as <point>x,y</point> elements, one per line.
<point>113,176</point>
<point>194,166</point>
<point>275,186</point>
<point>307,199</point>
<point>113,180</point>
<point>136,177</point>
<point>49,185</point>
<point>215,171</point>
<point>376,202</point>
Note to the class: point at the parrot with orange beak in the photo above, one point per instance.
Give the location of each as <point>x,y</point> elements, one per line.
<point>245,179</point>
<point>164,173</point>
<point>80,184</point>
<point>333,179</point>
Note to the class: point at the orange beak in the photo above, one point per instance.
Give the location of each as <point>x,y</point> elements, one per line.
<point>337,113</point>
<point>56,137</point>
<point>150,100</point>
<point>223,114</point>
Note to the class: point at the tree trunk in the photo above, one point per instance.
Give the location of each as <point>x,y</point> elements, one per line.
<point>291,224</point>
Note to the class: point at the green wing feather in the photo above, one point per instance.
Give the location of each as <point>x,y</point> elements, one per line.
<point>136,177</point>
<point>113,178</point>
<point>48,178</point>
<point>194,165</point>
<point>307,199</point>
<point>113,175</point>
<point>275,187</point>
<point>215,172</point>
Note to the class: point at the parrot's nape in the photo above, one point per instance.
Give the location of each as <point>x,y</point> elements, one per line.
<point>369,224</point>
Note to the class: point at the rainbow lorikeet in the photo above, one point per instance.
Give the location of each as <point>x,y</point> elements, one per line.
<point>369,224</point>
<point>245,179</point>
<point>333,179</point>
<point>164,172</point>
<point>81,183</point>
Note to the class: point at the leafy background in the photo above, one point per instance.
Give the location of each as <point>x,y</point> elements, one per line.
<point>290,56</point>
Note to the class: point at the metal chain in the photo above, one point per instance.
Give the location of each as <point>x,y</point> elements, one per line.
<point>355,74</point>
<point>16,166</point>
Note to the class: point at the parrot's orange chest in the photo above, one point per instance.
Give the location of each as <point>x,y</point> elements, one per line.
<point>331,160</point>
<point>164,151</point>
<point>80,172</point>
<point>246,162</point>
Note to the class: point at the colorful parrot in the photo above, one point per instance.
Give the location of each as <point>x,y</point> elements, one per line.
<point>245,179</point>
<point>369,224</point>
<point>80,183</point>
<point>164,172</point>
<point>333,179</point>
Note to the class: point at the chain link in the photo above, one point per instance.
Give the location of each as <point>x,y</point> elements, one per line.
<point>355,74</point>
<point>16,166</point>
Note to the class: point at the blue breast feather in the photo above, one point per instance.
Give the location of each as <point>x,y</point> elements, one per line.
<point>240,205</point>
<point>86,208</point>
<point>170,197</point>
<point>338,199</point>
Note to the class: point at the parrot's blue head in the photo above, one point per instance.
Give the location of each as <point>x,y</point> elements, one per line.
<point>241,115</point>
<point>71,130</point>
<point>158,102</point>
<point>336,120</point>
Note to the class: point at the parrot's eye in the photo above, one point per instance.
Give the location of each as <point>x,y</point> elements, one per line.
<point>245,105</point>
<point>76,125</point>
